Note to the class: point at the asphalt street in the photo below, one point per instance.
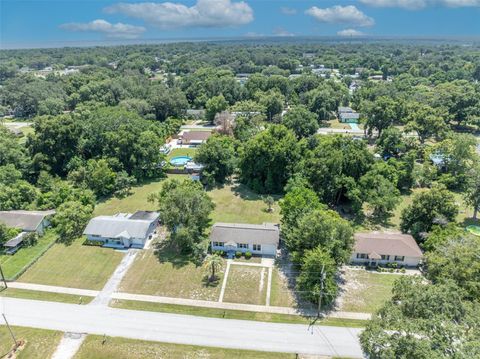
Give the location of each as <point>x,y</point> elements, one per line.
<point>184,329</point>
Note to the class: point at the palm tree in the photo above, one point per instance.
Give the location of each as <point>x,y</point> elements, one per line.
<point>269,201</point>
<point>213,262</point>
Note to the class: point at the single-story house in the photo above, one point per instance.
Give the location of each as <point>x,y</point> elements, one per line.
<point>123,230</point>
<point>194,138</point>
<point>382,247</point>
<point>27,221</point>
<point>345,109</point>
<point>196,114</point>
<point>349,117</point>
<point>260,239</point>
<point>14,244</point>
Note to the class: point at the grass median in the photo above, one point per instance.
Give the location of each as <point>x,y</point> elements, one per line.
<point>232,314</point>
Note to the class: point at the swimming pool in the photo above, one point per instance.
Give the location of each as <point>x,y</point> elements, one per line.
<point>180,160</point>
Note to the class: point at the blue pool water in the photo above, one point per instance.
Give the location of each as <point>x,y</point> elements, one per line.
<point>180,160</point>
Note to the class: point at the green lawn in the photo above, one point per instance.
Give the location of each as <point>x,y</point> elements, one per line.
<point>236,203</point>
<point>338,125</point>
<point>246,285</point>
<point>163,271</point>
<point>138,200</point>
<point>121,348</point>
<point>38,343</point>
<point>76,266</point>
<point>281,295</point>
<point>13,265</point>
<point>47,296</point>
<point>181,152</point>
<point>365,292</point>
<point>232,314</point>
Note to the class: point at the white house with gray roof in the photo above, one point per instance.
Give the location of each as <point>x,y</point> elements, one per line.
<point>27,221</point>
<point>123,230</point>
<point>259,239</point>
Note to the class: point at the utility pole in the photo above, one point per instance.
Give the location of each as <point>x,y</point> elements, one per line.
<point>3,277</point>
<point>10,330</point>
<point>320,295</point>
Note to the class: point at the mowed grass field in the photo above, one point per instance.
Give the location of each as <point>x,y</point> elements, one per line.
<point>233,203</point>
<point>39,343</point>
<point>121,348</point>
<point>365,292</point>
<point>237,203</point>
<point>247,285</point>
<point>75,265</point>
<point>281,295</point>
<point>162,271</point>
<point>47,296</point>
<point>14,264</point>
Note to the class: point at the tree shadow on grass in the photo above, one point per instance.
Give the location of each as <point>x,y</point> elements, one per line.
<point>246,193</point>
<point>210,282</point>
<point>168,252</point>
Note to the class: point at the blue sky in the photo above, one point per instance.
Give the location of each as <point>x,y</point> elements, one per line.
<point>42,22</point>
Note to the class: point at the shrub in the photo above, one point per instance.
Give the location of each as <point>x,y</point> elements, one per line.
<point>89,242</point>
<point>391,270</point>
<point>248,255</point>
<point>402,270</point>
<point>238,254</point>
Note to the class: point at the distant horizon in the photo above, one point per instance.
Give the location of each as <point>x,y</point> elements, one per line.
<point>54,44</point>
<point>59,23</point>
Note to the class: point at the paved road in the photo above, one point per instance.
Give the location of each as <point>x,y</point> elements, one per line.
<point>182,329</point>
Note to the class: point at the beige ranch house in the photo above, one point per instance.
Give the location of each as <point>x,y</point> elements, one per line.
<point>380,248</point>
<point>259,239</point>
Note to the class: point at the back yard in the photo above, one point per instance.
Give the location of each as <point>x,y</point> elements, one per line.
<point>75,265</point>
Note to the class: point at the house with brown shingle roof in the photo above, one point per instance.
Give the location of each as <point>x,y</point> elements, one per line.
<point>375,248</point>
<point>194,138</point>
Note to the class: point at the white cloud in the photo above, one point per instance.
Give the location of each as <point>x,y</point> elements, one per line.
<point>420,4</point>
<point>280,31</point>
<point>205,13</point>
<point>288,10</point>
<point>118,30</point>
<point>341,15</point>
<point>350,32</point>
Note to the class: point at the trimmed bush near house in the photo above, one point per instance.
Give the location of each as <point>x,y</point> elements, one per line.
<point>238,254</point>
<point>248,255</point>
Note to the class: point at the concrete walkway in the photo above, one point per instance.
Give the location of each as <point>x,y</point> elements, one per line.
<point>224,283</point>
<point>53,289</point>
<point>234,306</point>
<point>69,345</point>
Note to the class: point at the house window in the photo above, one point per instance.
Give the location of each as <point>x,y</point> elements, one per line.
<point>362,255</point>
<point>385,257</point>
<point>218,244</point>
<point>242,245</point>
<point>257,247</point>
<point>399,258</point>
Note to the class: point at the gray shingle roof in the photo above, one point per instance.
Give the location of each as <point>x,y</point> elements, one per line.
<point>117,226</point>
<point>387,244</point>
<point>12,243</point>
<point>145,215</point>
<point>24,220</point>
<point>267,233</point>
